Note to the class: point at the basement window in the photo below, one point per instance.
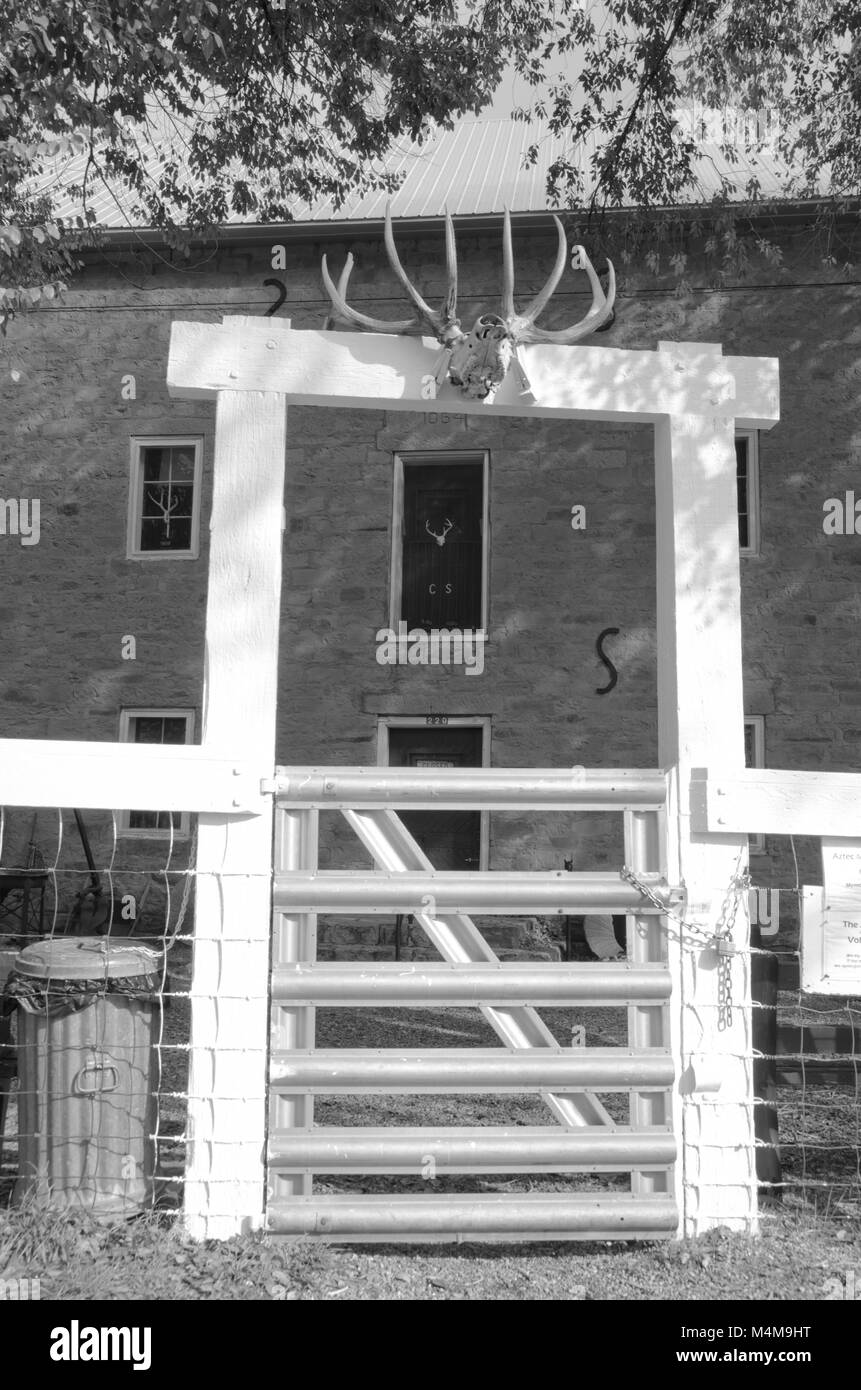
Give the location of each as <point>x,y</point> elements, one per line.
<point>754,756</point>
<point>164,499</point>
<point>163,726</point>
<point>440,541</point>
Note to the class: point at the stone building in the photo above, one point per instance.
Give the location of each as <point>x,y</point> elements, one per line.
<point>538,534</point>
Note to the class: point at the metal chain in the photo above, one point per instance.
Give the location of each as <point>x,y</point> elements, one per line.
<point>725,945</point>
<point>721,939</point>
<point>630,877</point>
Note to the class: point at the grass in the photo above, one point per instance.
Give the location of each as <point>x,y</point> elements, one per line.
<point>74,1257</point>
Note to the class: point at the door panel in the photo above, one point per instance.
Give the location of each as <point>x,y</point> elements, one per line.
<point>442,547</point>
<point>450,839</point>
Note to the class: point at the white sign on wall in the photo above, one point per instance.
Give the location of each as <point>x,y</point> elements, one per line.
<point>831,941</point>
<point>841,864</point>
<point>831,923</point>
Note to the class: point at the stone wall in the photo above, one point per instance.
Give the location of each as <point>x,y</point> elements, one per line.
<point>67,602</point>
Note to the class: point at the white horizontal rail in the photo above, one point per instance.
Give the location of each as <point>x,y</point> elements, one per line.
<point>484,1149</point>
<point>768,801</point>
<point>499,789</point>
<point>458,1070</point>
<point>425,985</point>
<point>125,776</point>
<point>495,892</point>
<point>383,371</point>
<point>530,1216</point>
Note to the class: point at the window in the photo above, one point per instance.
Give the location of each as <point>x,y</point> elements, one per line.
<point>173,726</point>
<point>452,840</point>
<point>440,536</point>
<point>747,483</point>
<point>164,499</point>
<point>754,756</point>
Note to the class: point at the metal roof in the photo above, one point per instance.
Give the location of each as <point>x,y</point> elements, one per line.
<point>476,169</point>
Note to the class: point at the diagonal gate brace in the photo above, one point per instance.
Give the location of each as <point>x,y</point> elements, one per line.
<point>459,941</point>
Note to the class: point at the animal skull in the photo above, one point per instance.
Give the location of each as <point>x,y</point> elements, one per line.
<point>439,536</point>
<point>478,361</point>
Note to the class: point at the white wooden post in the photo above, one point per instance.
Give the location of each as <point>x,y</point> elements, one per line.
<point>701,722</point>
<point>225,1175</point>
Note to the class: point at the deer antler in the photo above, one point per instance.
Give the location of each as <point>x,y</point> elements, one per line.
<point>439,536</point>
<point>166,509</point>
<point>443,323</point>
<point>522,326</point>
<point>338,296</point>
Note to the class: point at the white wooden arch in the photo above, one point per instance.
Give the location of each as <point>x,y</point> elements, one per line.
<point>696,399</point>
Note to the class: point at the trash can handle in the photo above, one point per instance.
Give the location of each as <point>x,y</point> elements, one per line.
<point>98,1066</point>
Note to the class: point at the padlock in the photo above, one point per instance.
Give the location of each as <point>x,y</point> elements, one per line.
<point>724,945</point>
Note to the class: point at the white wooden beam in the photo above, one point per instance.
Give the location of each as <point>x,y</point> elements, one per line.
<point>225,1175</point>
<point>384,371</point>
<point>127,776</point>
<point>700,717</point>
<point>768,801</point>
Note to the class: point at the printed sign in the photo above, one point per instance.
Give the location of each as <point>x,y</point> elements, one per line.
<point>841,864</point>
<point>831,941</point>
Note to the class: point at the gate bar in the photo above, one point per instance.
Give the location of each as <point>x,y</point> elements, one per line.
<point>459,941</point>
<point>575,789</point>
<point>468,1069</point>
<point>523,1149</point>
<point>464,1217</point>
<point>495,892</point>
<point>406,985</point>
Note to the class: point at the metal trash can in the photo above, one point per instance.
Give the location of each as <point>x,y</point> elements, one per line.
<point>8,1064</point>
<point>87,1019</point>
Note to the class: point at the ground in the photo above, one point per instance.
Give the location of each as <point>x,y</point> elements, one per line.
<point>809,1247</point>
<point>796,1257</point>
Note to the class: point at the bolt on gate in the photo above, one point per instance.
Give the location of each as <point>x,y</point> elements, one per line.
<point>581,1137</point>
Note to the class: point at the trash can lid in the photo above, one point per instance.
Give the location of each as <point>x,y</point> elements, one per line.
<point>85,958</point>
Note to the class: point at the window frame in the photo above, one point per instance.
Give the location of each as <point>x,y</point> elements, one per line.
<point>756,843</point>
<point>453,721</point>
<point>137,443</point>
<point>183,830</point>
<point>445,458</point>
<point>753,501</point>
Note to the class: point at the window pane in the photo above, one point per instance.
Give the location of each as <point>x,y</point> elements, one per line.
<point>442,548</point>
<point>175,729</point>
<point>155,536</point>
<point>148,728</point>
<point>169,464</point>
<point>742,474</point>
<point>167,504</point>
<point>155,820</point>
<point>749,746</point>
<point>167,498</point>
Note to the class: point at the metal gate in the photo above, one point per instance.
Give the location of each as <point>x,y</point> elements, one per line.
<point>582,1137</point>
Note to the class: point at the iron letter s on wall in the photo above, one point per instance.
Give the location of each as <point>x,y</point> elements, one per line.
<point>614,675</point>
